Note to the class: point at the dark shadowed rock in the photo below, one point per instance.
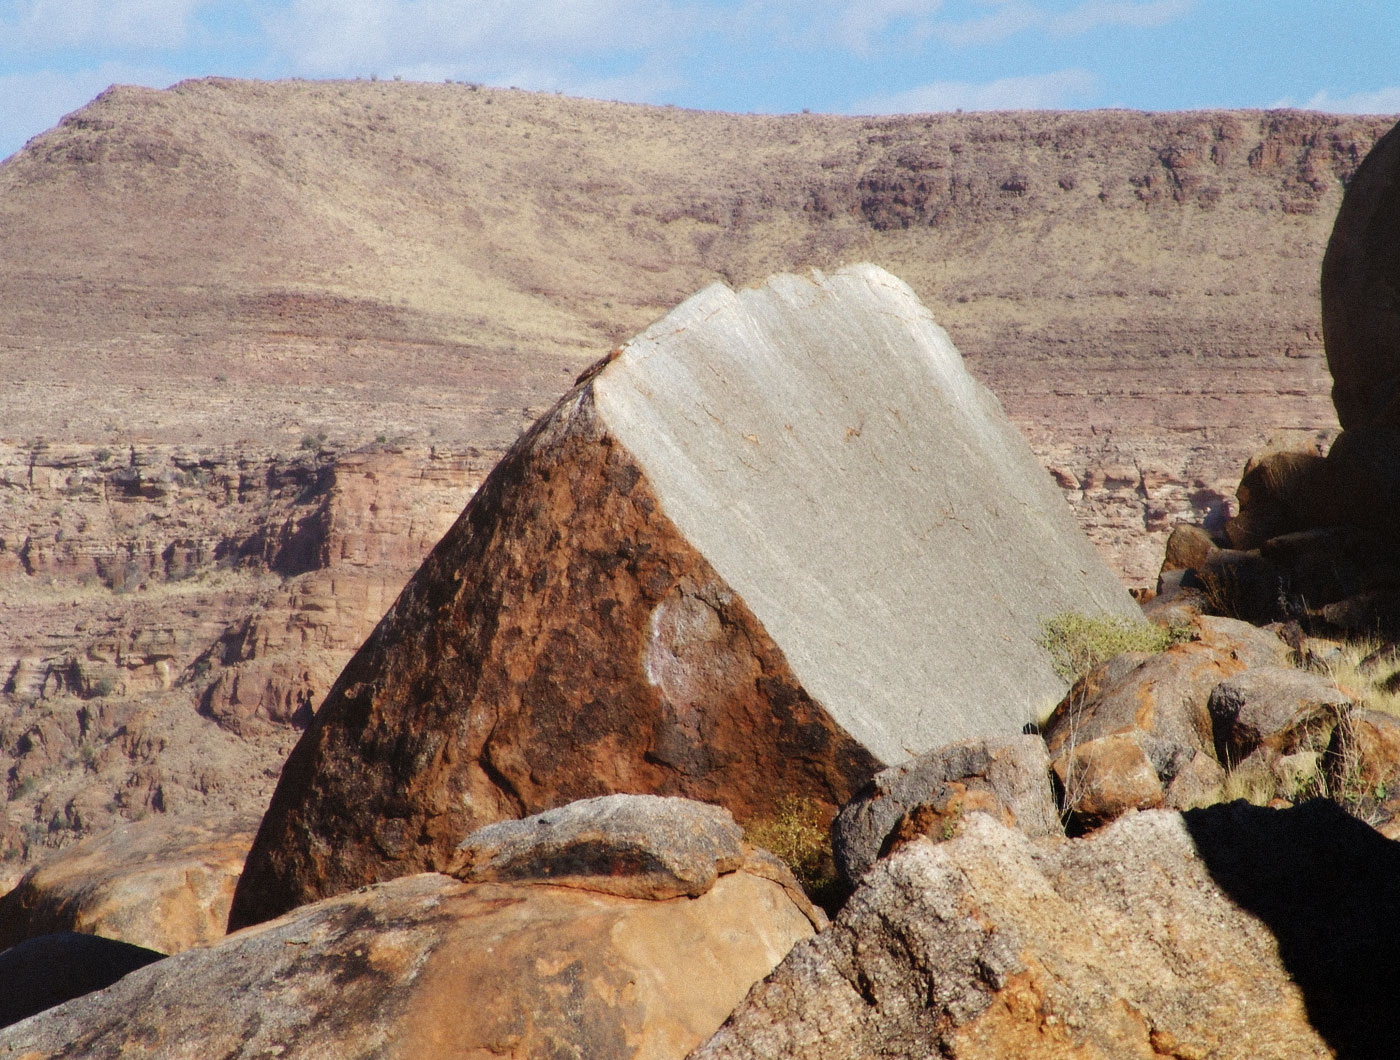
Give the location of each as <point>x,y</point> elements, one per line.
<point>48,970</point>
<point>641,846</point>
<point>779,540</point>
<point>1280,492</point>
<point>1008,778</point>
<point>1142,940</point>
<point>1361,293</point>
<point>165,883</point>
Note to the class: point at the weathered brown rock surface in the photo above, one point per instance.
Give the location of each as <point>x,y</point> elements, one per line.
<point>428,966</point>
<point>165,883</point>
<point>1231,932</point>
<point>1007,777</point>
<point>674,584</point>
<point>639,846</point>
<point>1127,731</point>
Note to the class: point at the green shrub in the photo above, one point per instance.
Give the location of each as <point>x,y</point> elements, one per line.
<point>1078,642</point>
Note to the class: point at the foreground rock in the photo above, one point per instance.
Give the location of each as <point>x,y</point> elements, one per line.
<point>164,883</point>
<point>789,514</point>
<point>1137,733</point>
<point>42,972</point>
<point>1228,932</point>
<point>641,846</point>
<point>429,966</point>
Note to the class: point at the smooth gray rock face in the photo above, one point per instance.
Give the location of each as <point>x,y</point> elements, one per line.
<point>641,846</point>
<point>821,443</point>
<point>1013,772</point>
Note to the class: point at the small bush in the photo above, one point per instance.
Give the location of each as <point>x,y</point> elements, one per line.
<point>1078,642</point>
<point>797,834</point>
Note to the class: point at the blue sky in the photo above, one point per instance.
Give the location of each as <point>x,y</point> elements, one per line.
<point>834,56</point>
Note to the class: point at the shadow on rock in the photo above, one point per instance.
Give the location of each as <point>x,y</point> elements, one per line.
<point>1328,886</point>
<point>41,972</point>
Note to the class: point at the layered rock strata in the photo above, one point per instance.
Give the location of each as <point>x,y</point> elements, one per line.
<point>778,540</point>
<point>169,617</point>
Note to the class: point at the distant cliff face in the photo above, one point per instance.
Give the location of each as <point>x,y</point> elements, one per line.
<point>222,278</point>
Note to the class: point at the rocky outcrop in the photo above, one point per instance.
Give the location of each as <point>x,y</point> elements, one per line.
<point>752,632</point>
<point>163,883</point>
<point>1138,733</point>
<point>640,846</point>
<point>1008,778</point>
<point>547,970</point>
<point>170,616</point>
<point>1233,932</point>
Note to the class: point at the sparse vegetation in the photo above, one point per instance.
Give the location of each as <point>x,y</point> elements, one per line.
<point>1357,668</point>
<point>1078,642</point>
<point>798,835</point>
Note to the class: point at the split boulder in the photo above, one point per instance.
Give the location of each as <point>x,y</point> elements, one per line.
<point>777,542</point>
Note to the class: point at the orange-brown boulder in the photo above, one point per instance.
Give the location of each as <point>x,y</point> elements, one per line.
<point>778,541</point>
<point>552,964</point>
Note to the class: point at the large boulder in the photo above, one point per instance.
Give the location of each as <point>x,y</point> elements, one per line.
<point>1231,932</point>
<point>778,541</point>
<point>1361,293</point>
<point>427,966</point>
<point>164,883</point>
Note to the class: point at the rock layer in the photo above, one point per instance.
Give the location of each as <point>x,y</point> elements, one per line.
<point>779,540</point>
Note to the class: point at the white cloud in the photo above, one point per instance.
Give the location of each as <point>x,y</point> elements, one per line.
<point>1381,101</point>
<point>33,102</point>
<point>1141,14</point>
<point>1016,16</point>
<point>320,37</point>
<point>1035,92</point>
<point>146,25</point>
